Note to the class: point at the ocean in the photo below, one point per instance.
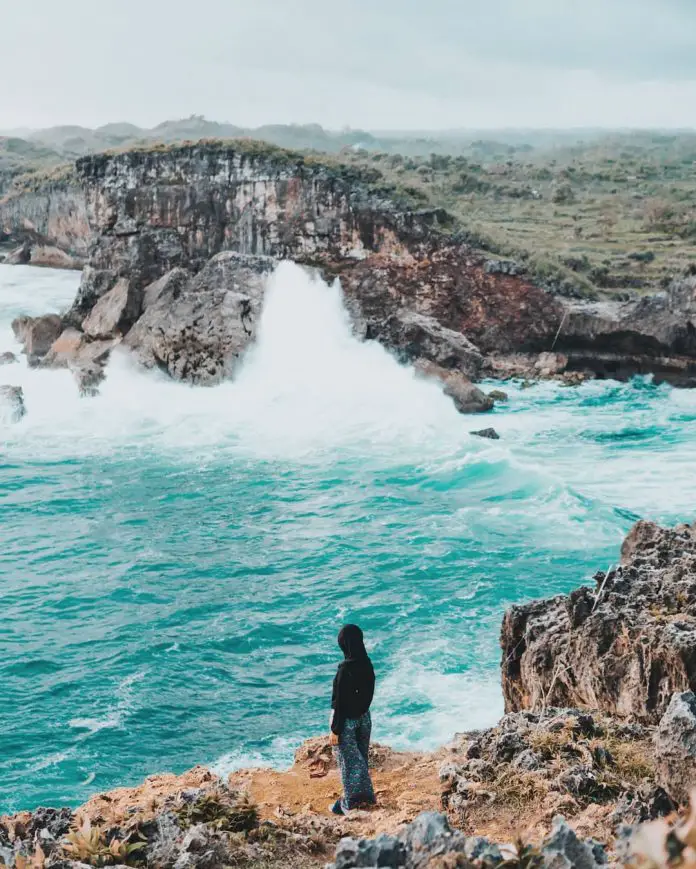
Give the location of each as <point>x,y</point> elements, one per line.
<point>175,562</point>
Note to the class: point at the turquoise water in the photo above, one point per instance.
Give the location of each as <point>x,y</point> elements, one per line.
<point>175,563</point>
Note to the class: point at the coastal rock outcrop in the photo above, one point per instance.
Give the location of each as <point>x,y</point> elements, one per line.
<point>37,334</point>
<point>12,408</point>
<point>197,330</point>
<point>7,358</point>
<point>410,280</point>
<point>467,397</point>
<point>625,647</point>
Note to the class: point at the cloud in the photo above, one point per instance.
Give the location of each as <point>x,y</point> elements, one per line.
<point>392,63</point>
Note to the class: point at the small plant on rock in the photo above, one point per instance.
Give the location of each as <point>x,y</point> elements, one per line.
<point>224,810</point>
<point>88,844</point>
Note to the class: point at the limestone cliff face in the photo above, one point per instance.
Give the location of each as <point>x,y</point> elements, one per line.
<point>409,281</point>
<point>50,211</point>
<point>154,210</point>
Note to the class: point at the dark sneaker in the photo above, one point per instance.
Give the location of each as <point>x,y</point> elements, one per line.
<point>335,808</point>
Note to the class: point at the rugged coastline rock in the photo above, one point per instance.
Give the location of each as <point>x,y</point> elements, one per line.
<point>467,397</point>
<point>196,330</point>
<point>37,335</point>
<point>625,647</point>
<point>12,407</point>
<point>409,280</point>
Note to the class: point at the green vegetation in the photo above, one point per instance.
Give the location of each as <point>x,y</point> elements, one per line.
<point>614,214</point>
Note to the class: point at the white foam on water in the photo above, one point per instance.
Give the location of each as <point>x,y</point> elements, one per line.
<point>306,387</point>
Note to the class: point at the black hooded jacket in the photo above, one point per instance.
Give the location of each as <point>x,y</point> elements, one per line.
<point>354,683</point>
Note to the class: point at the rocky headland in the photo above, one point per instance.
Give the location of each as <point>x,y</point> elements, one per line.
<point>177,242</point>
<point>570,777</point>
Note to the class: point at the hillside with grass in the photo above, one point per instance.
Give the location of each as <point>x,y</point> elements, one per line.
<point>586,214</point>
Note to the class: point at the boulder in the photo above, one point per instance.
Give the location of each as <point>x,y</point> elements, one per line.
<point>114,313</point>
<point>498,395</point>
<point>7,358</point>
<point>675,747</point>
<point>12,408</point>
<point>624,647</point>
<point>199,334</point>
<point>168,286</point>
<point>19,256</point>
<point>420,337</point>
<point>37,334</point>
<point>467,397</point>
<point>489,433</point>
<point>85,358</point>
<point>52,257</point>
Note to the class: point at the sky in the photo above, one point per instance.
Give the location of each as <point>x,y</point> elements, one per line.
<point>371,64</point>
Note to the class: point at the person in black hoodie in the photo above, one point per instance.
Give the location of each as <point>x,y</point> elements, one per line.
<point>351,725</point>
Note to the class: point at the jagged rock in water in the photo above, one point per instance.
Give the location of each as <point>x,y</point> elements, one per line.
<point>114,313</point>
<point>624,648</point>
<point>12,408</point>
<point>675,747</point>
<point>7,358</point>
<point>467,397</point>
<point>199,335</point>
<point>88,378</point>
<point>419,337</point>
<point>498,395</point>
<point>37,334</point>
<point>489,433</point>
<point>85,358</point>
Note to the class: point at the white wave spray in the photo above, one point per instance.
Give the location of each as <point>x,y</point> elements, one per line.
<point>307,386</point>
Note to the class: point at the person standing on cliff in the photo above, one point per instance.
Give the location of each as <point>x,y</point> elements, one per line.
<point>351,724</point>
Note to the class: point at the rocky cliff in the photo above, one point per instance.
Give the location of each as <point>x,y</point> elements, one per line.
<point>409,279</point>
<point>624,647</point>
<point>48,210</point>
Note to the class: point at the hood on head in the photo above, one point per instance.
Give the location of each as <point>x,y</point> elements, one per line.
<point>350,639</point>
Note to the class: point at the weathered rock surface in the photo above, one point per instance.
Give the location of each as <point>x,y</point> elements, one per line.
<point>430,843</point>
<point>114,313</point>
<point>37,334</point>
<point>12,408</point>
<point>49,213</point>
<point>197,331</point>
<point>86,358</point>
<point>675,747</point>
<point>7,358</point>
<point>467,397</point>
<point>562,760</point>
<point>624,648</point>
<point>489,433</point>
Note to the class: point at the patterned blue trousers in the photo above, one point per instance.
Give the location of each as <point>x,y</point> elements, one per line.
<point>352,753</point>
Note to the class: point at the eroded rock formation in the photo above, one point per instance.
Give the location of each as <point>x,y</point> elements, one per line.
<point>410,281</point>
<point>624,647</point>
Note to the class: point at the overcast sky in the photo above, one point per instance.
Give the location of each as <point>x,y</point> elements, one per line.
<point>380,64</point>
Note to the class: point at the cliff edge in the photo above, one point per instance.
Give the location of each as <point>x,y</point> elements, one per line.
<point>410,279</point>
